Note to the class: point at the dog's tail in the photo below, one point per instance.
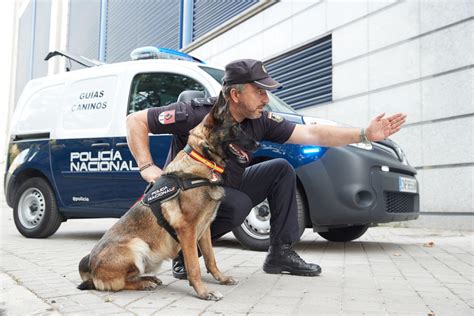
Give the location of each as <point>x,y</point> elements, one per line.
<point>85,272</point>
<point>86,285</point>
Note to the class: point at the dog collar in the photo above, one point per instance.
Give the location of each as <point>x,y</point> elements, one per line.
<point>198,157</point>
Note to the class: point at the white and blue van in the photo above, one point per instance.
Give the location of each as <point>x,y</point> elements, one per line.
<point>68,155</point>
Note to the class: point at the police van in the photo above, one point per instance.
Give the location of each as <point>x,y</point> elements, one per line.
<point>68,155</point>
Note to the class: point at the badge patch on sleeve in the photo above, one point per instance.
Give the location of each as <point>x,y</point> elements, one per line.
<point>275,117</point>
<point>167,117</point>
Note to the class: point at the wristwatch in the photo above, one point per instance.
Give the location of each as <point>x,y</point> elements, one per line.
<point>363,137</point>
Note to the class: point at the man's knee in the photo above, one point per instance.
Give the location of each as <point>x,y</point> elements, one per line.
<point>284,168</point>
<point>234,208</point>
<point>240,210</point>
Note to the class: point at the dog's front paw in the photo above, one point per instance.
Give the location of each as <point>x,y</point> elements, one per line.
<point>228,280</point>
<point>211,296</point>
<point>214,296</point>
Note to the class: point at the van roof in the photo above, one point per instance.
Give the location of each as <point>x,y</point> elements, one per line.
<point>123,66</point>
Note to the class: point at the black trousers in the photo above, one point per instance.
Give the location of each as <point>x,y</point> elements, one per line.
<point>275,180</point>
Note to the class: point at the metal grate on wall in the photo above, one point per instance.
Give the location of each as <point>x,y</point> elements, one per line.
<point>132,24</point>
<point>84,28</point>
<point>33,43</point>
<point>24,50</point>
<point>41,41</point>
<point>208,14</point>
<point>305,73</point>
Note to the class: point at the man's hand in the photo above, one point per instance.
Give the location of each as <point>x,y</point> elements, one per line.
<point>382,127</point>
<point>151,173</point>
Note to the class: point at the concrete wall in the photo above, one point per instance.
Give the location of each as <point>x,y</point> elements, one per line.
<point>389,56</point>
<point>7,25</point>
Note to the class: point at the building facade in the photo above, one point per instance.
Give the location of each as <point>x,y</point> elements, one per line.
<point>341,60</point>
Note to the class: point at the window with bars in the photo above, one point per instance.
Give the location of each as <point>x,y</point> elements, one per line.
<point>306,74</point>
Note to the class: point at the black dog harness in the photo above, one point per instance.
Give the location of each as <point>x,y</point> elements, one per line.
<point>165,188</point>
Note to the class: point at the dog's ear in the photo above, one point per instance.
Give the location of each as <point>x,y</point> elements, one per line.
<point>217,114</point>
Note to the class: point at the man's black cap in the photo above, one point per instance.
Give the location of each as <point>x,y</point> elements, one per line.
<point>249,71</point>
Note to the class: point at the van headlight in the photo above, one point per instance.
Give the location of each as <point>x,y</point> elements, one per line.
<point>400,153</point>
<point>308,120</point>
<point>366,146</point>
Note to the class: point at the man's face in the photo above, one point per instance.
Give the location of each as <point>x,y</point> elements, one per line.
<point>251,101</point>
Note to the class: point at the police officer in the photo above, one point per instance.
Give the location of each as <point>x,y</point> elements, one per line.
<point>245,87</point>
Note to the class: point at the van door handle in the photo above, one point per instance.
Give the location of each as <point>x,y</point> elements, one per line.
<point>120,145</point>
<point>105,145</point>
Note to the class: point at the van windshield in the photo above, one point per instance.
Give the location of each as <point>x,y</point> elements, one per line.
<point>275,104</point>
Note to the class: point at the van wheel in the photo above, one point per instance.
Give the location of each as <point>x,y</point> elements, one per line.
<point>344,234</point>
<point>35,211</point>
<point>254,233</point>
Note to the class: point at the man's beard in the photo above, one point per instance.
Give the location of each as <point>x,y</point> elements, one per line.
<point>251,114</point>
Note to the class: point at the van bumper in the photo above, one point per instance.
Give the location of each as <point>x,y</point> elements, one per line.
<point>7,185</point>
<point>348,187</point>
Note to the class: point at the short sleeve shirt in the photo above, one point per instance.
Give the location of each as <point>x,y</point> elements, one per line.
<point>179,118</point>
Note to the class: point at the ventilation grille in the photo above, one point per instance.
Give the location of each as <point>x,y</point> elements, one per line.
<point>306,74</point>
<point>208,14</point>
<point>396,202</point>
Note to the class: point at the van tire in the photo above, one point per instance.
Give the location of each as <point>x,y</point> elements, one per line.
<point>35,210</point>
<point>260,242</point>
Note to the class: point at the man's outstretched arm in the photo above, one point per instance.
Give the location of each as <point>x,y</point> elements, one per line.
<point>378,129</point>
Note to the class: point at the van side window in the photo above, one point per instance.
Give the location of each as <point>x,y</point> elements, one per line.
<point>158,89</point>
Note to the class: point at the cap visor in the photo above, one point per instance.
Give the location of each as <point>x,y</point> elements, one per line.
<point>267,84</point>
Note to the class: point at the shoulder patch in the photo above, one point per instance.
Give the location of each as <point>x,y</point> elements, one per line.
<point>167,117</point>
<point>275,117</point>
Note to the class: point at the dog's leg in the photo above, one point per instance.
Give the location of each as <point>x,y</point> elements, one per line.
<point>205,244</point>
<point>187,238</point>
<point>122,275</point>
<point>145,283</point>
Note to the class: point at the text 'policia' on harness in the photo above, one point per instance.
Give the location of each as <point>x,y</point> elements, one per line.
<point>170,185</point>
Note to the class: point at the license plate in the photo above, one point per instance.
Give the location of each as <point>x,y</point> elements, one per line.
<point>407,185</point>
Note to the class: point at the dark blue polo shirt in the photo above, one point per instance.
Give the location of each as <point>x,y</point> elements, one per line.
<point>179,118</point>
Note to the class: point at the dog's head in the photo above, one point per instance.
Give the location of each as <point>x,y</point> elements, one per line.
<point>225,137</point>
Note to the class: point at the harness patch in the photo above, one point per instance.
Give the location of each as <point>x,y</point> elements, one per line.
<point>163,189</point>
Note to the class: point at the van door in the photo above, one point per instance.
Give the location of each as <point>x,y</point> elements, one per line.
<point>83,158</point>
<point>149,90</point>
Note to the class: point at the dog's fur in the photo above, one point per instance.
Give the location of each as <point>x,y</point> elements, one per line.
<point>137,244</point>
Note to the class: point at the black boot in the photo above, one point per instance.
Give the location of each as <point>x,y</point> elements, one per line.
<point>281,258</point>
<point>178,268</point>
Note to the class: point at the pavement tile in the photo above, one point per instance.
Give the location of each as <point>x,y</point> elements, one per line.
<point>274,308</point>
<point>361,305</point>
<point>407,307</point>
<point>225,306</point>
<point>386,272</point>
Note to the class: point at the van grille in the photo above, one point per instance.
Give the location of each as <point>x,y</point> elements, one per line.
<point>396,202</point>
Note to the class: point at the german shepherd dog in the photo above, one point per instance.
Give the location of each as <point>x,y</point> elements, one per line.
<point>137,244</point>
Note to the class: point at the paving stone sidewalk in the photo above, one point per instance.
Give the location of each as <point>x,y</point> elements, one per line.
<point>388,271</point>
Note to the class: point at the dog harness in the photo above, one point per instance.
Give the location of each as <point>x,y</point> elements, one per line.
<point>170,185</point>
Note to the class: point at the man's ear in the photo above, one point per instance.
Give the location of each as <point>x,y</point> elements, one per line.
<point>234,95</point>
